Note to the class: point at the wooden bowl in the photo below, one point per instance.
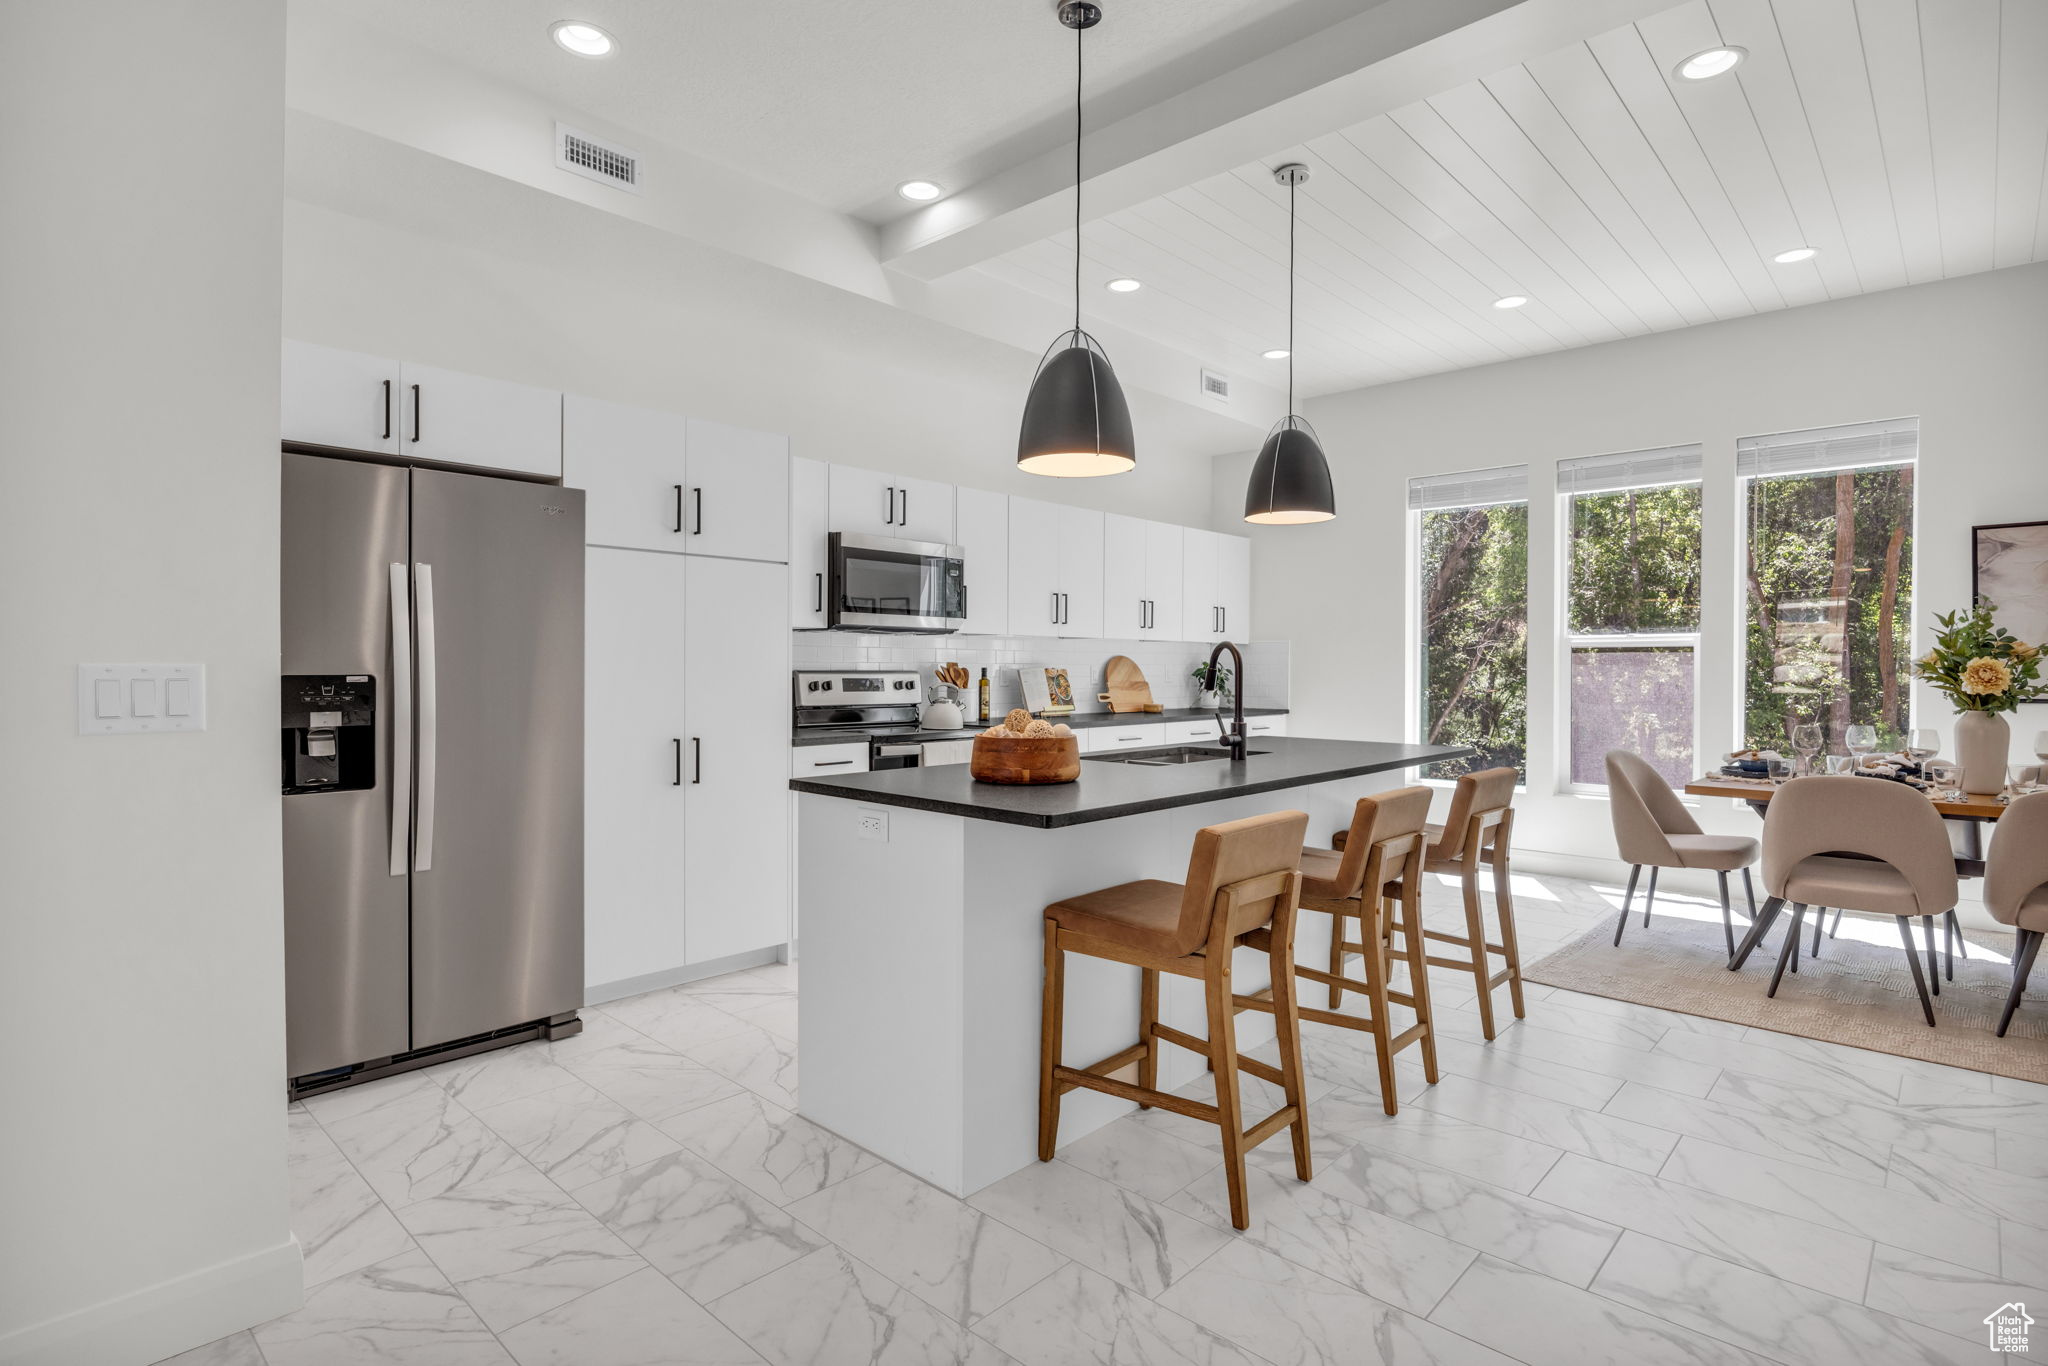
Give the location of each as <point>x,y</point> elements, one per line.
<point>1026,759</point>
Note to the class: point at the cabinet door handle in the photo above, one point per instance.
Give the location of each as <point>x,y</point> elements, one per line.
<point>1055,609</point>
<point>415,412</point>
<point>696,760</point>
<point>1224,614</point>
<point>821,593</point>
<point>679,507</point>
<point>697,497</point>
<point>903,519</point>
<point>829,763</point>
<point>678,743</point>
<point>387,411</point>
<point>890,516</point>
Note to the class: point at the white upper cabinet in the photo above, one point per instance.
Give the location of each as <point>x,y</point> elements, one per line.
<point>1216,579</point>
<point>493,424</point>
<point>981,528</point>
<point>1201,610</point>
<point>656,481</point>
<point>356,402</point>
<point>1234,585</point>
<point>876,504</point>
<point>1141,571</point>
<point>339,398</point>
<point>631,465</point>
<point>808,522</point>
<point>1056,584</point>
<point>737,493</point>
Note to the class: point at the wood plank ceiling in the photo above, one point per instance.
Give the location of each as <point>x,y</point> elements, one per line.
<point>1905,139</point>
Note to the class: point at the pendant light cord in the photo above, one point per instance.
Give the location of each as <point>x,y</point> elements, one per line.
<point>1290,297</point>
<point>1078,32</point>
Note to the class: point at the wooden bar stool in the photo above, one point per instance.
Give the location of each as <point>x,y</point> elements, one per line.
<point>1244,883</point>
<point>1377,881</point>
<point>1478,832</point>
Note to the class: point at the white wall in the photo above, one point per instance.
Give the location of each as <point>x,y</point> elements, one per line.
<point>394,251</point>
<point>142,1177</point>
<point>1969,357</point>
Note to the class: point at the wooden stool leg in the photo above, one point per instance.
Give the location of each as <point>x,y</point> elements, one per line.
<point>1287,1029</point>
<point>1049,1043</point>
<point>1504,903</point>
<point>1223,1062</point>
<point>1337,919</point>
<point>1475,936</point>
<point>1418,970</point>
<point>1382,1009</point>
<point>1148,1016</point>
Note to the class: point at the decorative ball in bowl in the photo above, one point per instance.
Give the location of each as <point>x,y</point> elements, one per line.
<point>1023,750</point>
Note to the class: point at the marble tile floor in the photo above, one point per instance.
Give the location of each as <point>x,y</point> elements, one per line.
<point>1604,1182</point>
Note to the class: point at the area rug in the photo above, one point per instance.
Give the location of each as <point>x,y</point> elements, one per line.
<point>1859,992</point>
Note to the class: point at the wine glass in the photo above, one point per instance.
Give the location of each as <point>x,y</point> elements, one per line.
<point>1808,741</point>
<point>1841,764</point>
<point>1861,742</point>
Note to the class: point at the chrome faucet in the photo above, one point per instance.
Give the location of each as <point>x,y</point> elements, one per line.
<point>1235,736</point>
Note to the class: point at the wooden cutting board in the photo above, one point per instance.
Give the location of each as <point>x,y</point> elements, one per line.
<point>1128,690</point>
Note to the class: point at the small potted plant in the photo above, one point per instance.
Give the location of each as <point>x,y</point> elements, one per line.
<point>1984,671</point>
<point>1209,697</point>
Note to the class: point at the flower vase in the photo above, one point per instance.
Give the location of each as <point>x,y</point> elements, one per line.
<point>1983,740</point>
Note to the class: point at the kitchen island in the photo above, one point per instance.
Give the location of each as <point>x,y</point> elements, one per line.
<point>921,896</point>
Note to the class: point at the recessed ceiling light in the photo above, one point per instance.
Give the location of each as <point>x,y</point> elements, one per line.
<point>1279,353</point>
<point>1511,301</point>
<point>919,190</point>
<point>585,40</point>
<point>1786,258</point>
<point>1124,284</point>
<point>1713,62</point>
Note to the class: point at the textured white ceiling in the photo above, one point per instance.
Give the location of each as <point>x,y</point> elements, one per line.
<point>841,100</point>
<point>1905,140</point>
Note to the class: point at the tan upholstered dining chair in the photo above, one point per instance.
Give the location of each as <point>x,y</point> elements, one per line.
<point>1653,829</point>
<point>2016,888</point>
<point>1861,844</point>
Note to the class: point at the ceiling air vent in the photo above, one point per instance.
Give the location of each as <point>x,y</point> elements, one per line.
<point>605,162</point>
<point>1215,386</point>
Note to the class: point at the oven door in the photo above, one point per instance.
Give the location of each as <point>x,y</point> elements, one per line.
<point>880,584</point>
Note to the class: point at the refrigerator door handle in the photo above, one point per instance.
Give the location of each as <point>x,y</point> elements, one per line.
<point>423,858</point>
<point>401,719</point>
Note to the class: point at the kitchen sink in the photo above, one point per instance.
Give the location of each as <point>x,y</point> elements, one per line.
<point>1163,758</point>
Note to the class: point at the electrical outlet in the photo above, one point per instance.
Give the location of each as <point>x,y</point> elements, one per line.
<point>871,823</point>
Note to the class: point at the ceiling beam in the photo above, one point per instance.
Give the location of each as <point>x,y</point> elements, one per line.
<point>1393,54</point>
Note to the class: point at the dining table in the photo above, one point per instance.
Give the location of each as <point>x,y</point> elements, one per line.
<point>1971,811</point>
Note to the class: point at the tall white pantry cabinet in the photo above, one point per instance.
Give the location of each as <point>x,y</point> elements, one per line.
<point>686,646</point>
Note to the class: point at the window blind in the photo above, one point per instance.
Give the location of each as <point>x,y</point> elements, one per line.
<point>1664,466</point>
<point>1825,449</point>
<point>1471,489</point>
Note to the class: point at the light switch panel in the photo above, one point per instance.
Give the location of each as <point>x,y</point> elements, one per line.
<point>130,699</point>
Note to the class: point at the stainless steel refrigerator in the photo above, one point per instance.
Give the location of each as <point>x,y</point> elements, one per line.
<point>432,764</point>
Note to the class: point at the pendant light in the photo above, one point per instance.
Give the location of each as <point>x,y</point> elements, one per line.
<point>1076,423</point>
<point>1290,481</point>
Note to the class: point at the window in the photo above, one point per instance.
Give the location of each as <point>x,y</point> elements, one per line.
<point>1472,535</point>
<point>1632,612</point>
<point>1829,585</point>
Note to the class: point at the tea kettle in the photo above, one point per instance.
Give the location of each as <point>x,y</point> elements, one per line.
<point>942,712</point>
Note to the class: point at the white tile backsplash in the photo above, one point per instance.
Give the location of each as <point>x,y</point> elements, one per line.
<point>1167,664</point>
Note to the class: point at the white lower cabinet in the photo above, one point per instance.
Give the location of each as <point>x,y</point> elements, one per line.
<point>1109,739</point>
<point>686,813</point>
<point>828,761</point>
<point>1190,732</point>
<point>736,837</point>
<point>938,753</point>
<point>634,734</point>
<point>1265,725</point>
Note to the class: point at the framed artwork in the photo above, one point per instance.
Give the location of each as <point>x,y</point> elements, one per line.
<point>2009,570</point>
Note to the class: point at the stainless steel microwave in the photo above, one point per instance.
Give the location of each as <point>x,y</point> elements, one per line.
<point>882,584</point>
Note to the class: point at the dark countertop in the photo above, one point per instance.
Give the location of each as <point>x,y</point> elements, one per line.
<point>1107,790</point>
<point>1079,721</point>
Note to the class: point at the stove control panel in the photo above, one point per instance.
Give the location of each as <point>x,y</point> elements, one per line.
<point>819,689</point>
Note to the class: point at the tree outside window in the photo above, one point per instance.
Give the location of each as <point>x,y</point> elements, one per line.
<point>1473,616</point>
